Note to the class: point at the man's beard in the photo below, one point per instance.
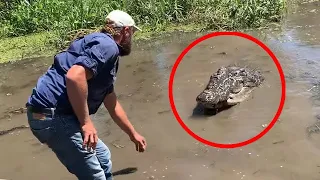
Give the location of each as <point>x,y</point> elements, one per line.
<point>125,48</point>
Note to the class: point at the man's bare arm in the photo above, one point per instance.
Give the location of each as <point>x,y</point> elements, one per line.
<point>118,114</point>
<point>120,118</point>
<point>77,89</point>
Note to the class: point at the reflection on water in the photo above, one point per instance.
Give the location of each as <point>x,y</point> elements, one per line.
<point>295,44</point>
<point>299,41</point>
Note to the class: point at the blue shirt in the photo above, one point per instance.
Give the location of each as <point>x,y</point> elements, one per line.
<point>97,52</point>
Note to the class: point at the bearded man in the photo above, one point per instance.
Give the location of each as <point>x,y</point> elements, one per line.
<point>74,87</point>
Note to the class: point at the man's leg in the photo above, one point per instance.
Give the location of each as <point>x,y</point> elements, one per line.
<point>62,134</point>
<point>104,157</point>
<point>85,165</point>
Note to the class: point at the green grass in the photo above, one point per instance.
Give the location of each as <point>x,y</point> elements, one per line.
<point>44,43</point>
<point>61,16</point>
<point>34,45</point>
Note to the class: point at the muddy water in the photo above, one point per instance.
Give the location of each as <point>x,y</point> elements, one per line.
<point>238,123</point>
<point>285,153</point>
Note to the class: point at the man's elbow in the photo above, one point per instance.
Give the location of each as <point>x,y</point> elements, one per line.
<point>110,102</point>
<point>78,73</point>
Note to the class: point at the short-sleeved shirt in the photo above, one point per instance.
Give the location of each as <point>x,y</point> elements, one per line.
<point>97,52</point>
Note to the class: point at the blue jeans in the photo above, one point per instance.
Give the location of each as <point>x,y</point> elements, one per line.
<point>63,136</point>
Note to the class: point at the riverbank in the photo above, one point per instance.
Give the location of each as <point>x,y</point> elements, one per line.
<point>44,44</point>
<point>43,35</point>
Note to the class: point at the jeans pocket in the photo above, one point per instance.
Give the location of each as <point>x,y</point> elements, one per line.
<point>41,126</point>
<point>43,135</point>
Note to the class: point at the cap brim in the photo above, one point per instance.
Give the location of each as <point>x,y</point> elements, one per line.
<point>137,28</point>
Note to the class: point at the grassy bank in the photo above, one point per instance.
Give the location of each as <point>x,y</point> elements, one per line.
<point>55,18</point>
<point>46,43</point>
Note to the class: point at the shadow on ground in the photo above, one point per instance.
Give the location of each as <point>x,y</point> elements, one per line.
<point>125,171</point>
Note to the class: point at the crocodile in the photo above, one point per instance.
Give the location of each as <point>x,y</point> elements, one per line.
<point>229,86</point>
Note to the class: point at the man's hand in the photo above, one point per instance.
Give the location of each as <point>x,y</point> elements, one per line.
<point>90,139</point>
<point>139,141</point>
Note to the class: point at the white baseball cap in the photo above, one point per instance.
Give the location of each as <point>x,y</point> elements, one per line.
<point>121,19</point>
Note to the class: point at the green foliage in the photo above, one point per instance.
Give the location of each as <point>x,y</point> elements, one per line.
<point>22,17</point>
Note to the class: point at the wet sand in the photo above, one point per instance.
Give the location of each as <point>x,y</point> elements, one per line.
<point>285,153</point>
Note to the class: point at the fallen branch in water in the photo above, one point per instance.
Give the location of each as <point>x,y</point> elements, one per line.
<point>4,132</point>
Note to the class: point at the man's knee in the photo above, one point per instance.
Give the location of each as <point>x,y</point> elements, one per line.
<point>84,166</point>
<point>104,155</point>
<point>97,176</point>
<point>78,161</point>
<point>93,165</point>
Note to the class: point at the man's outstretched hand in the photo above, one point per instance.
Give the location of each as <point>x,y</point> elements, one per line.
<point>139,141</point>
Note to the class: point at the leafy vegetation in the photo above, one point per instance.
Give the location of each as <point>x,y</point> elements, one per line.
<point>24,17</point>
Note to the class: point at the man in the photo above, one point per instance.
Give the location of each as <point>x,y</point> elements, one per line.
<point>79,81</point>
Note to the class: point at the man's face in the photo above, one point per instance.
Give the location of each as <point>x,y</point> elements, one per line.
<point>126,41</point>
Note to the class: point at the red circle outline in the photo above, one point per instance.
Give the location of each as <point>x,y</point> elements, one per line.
<point>282,100</point>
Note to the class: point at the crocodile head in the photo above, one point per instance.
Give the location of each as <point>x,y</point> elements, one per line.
<point>229,86</point>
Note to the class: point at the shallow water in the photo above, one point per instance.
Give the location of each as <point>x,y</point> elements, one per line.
<point>285,153</point>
